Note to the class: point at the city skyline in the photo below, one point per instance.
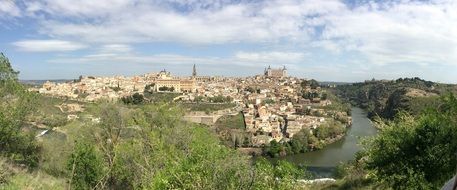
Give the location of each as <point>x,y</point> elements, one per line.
<point>334,40</point>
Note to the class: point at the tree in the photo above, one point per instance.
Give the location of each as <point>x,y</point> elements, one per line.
<point>322,132</point>
<point>274,148</point>
<point>6,70</point>
<point>163,88</point>
<point>299,142</point>
<point>149,87</point>
<point>85,166</point>
<point>281,175</point>
<point>16,104</point>
<point>250,89</point>
<point>416,152</point>
<point>136,99</point>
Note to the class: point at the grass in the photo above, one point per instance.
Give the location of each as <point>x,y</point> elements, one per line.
<point>14,177</point>
<point>161,97</point>
<point>35,180</point>
<point>231,122</point>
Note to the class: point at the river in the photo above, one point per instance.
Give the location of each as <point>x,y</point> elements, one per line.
<point>323,162</point>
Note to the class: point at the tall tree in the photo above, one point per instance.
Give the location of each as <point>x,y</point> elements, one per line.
<point>15,104</point>
<point>6,71</point>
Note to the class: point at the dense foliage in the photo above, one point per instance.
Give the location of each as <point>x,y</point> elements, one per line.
<point>15,104</point>
<point>164,152</point>
<point>305,140</point>
<point>417,152</point>
<point>136,99</point>
<point>85,166</point>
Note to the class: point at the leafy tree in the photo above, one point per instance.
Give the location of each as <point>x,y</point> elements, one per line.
<point>274,148</point>
<point>6,71</point>
<point>250,89</point>
<point>136,99</point>
<point>311,83</point>
<point>416,152</point>
<point>322,132</point>
<point>281,175</point>
<point>163,88</point>
<point>15,104</point>
<point>149,87</point>
<point>85,166</point>
<point>299,142</point>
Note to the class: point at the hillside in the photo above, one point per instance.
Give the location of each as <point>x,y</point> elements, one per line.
<point>386,98</point>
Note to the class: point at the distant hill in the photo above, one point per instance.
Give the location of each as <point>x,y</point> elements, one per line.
<point>331,83</point>
<point>41,82</point>
<point>385,98</point>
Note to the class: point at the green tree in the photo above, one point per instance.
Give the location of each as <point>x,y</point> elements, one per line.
<point>274,148</point>
<point>16,104</point>
<point>6,70</point>
<point>416,152</point>
<point>281,175</point>
<point>85,166</point>
<point>299,142</point>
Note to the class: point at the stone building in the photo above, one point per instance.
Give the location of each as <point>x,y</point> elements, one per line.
<point>165,79</point>
<point>275,73</point>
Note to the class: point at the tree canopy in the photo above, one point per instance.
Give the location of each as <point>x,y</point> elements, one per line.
<point>416,152</point>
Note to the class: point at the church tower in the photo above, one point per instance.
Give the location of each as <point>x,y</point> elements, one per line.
<point>194,72</point>
<point>284,72</point>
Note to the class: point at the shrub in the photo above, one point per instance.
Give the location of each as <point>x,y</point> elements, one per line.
<point>85,166</point>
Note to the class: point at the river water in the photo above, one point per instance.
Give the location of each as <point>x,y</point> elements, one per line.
<point>323,162</point>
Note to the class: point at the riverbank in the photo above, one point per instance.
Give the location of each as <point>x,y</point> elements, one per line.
<point>322,162</point>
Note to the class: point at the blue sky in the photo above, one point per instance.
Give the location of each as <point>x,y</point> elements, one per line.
<point>331,40</point>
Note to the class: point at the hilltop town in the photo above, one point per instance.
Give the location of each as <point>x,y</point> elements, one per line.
<point>274,106</point>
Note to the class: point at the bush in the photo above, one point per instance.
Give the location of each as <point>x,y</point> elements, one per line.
<point>85,166</point>
<point>416,152</point>
<point>16,104</point>
<point>135,99</point>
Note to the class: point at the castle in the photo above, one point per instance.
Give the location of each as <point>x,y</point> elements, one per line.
<point>165,79</point>
<point>275,73</point>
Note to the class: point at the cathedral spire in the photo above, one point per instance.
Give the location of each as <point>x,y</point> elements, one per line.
<point>194,71</point>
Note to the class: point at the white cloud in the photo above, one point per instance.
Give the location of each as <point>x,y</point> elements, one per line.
<point>385,32</point>
<point>140,21</point>
<point>415,32</point>
<point>9,8</point>
<point>245,59</point>
<point>274,57</point>
<point>379,33</point>
<point>117,48</point>
<point>47,45</point>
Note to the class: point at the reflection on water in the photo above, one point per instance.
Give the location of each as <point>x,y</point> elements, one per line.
<point>322,162</point>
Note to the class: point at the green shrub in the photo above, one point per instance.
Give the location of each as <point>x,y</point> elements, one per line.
<point>85,166</point>
<point>416,152</point>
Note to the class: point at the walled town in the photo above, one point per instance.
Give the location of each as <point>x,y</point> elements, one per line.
<point>274,106</point>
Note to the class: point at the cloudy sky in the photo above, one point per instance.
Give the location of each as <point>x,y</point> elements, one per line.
<point>331,40</point>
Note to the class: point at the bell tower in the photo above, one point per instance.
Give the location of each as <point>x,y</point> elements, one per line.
<point>194,72</point>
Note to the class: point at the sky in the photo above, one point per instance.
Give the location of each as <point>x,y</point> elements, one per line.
<point>327,40</point>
